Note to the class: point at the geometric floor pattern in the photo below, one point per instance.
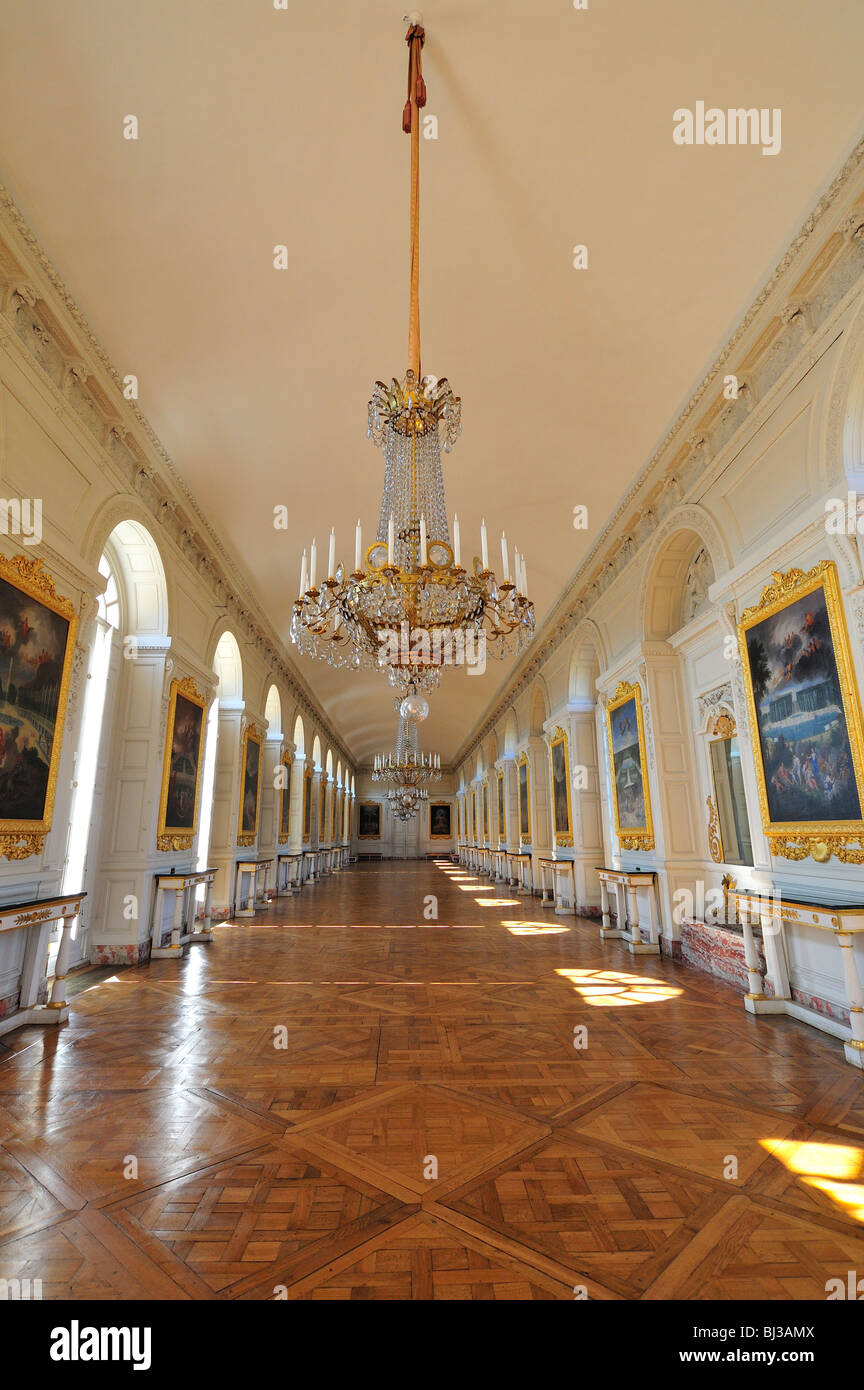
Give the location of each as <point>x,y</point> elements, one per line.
<point>346,1100</point>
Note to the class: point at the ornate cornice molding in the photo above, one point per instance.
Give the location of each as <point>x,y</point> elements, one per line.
<point>690,447</point>
<point>85,380</point>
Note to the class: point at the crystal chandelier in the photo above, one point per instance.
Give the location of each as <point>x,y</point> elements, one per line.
<point>405,802</point>
<point>406,767</point>
<point>409,607</point>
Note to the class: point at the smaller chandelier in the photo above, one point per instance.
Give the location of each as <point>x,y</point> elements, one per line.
<point>406,767</point>
<point>405,802</point>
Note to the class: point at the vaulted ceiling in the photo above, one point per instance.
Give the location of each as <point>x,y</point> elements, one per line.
<point>260,127</point>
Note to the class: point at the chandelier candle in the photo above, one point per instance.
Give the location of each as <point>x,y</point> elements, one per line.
<point>411,579</point>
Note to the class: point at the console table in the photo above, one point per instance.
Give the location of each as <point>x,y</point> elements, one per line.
<point>247,885</point>
<point>180,889</point>
<point>288,871</point>
<point>524,872</point>
<point>35,919</point>
<point>547,880</point>
<point>844,920</point>
<point>625,883</point>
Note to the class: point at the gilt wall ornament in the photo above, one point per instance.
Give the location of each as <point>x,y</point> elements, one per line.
<point>715,848</point>
<point>724,726</point>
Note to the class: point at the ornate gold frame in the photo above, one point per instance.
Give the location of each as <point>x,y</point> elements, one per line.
<point>287,760</point>
<point>251,734</point>
<point>715,839</point>
<point>172,837</point>
<point>485,805</point>
<point>627,838</point>
<point>307,806</point>
<point>322,809</point>
<point>502,809</point>
<point>440,803</point>
<point>562,838</point>
<point>368,803</point>
<point>819,839</point>
<point>19,839</point>
<point>474,815</point>
<point>722,729</point>
<point>524,761</point>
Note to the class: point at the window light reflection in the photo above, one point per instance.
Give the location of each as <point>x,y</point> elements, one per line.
<point>827,1167</point>
<point>616,988</point>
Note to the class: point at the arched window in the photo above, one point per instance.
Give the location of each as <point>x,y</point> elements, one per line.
<point>107,622</point>
<point>109,600</point>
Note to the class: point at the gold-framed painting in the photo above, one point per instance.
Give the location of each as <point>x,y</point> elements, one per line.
<point>562,816</point>
<point>287,761</point>
<point>250,786</point>
<point>369,820</point>
<point>524,780</point>
<point>804,710</point>
<point>37,643</point>
<point>440,826</point>
<point>502,817</point>
<point>631,797</point>
<point>181,766</point>
<point>307,805</point>
<point>486,812</point>
<point>474,815</point>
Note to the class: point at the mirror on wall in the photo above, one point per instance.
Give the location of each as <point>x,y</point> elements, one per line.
<point>731,807</point>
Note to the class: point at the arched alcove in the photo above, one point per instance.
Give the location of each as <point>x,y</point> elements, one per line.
<point>686,557</point>
<point>539,709</point>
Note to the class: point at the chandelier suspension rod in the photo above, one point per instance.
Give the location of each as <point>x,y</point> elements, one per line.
<point>415,38</point>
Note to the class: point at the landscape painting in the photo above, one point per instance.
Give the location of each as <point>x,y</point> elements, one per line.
<point>560,789</point>
<point>804,705</point>
<point>502,822</point>
<point>250,784</point>
<point>181,775</point>
<point>37,632</point>
<point>524,804</point>
<point>630,785</point>
<point>307,805</point>
<point>285,801</point>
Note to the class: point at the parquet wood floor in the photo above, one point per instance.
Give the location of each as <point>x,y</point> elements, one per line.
<point>344,1100</point>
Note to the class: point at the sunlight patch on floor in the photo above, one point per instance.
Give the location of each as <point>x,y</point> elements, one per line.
<point>616,988</point>
<point>827,1167</point>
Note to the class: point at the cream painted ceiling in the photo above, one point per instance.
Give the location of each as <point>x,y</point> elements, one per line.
<point>261,126</point>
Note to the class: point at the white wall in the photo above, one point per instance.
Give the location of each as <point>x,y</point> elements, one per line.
<point>747,479</point>
<point>69,438</point>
